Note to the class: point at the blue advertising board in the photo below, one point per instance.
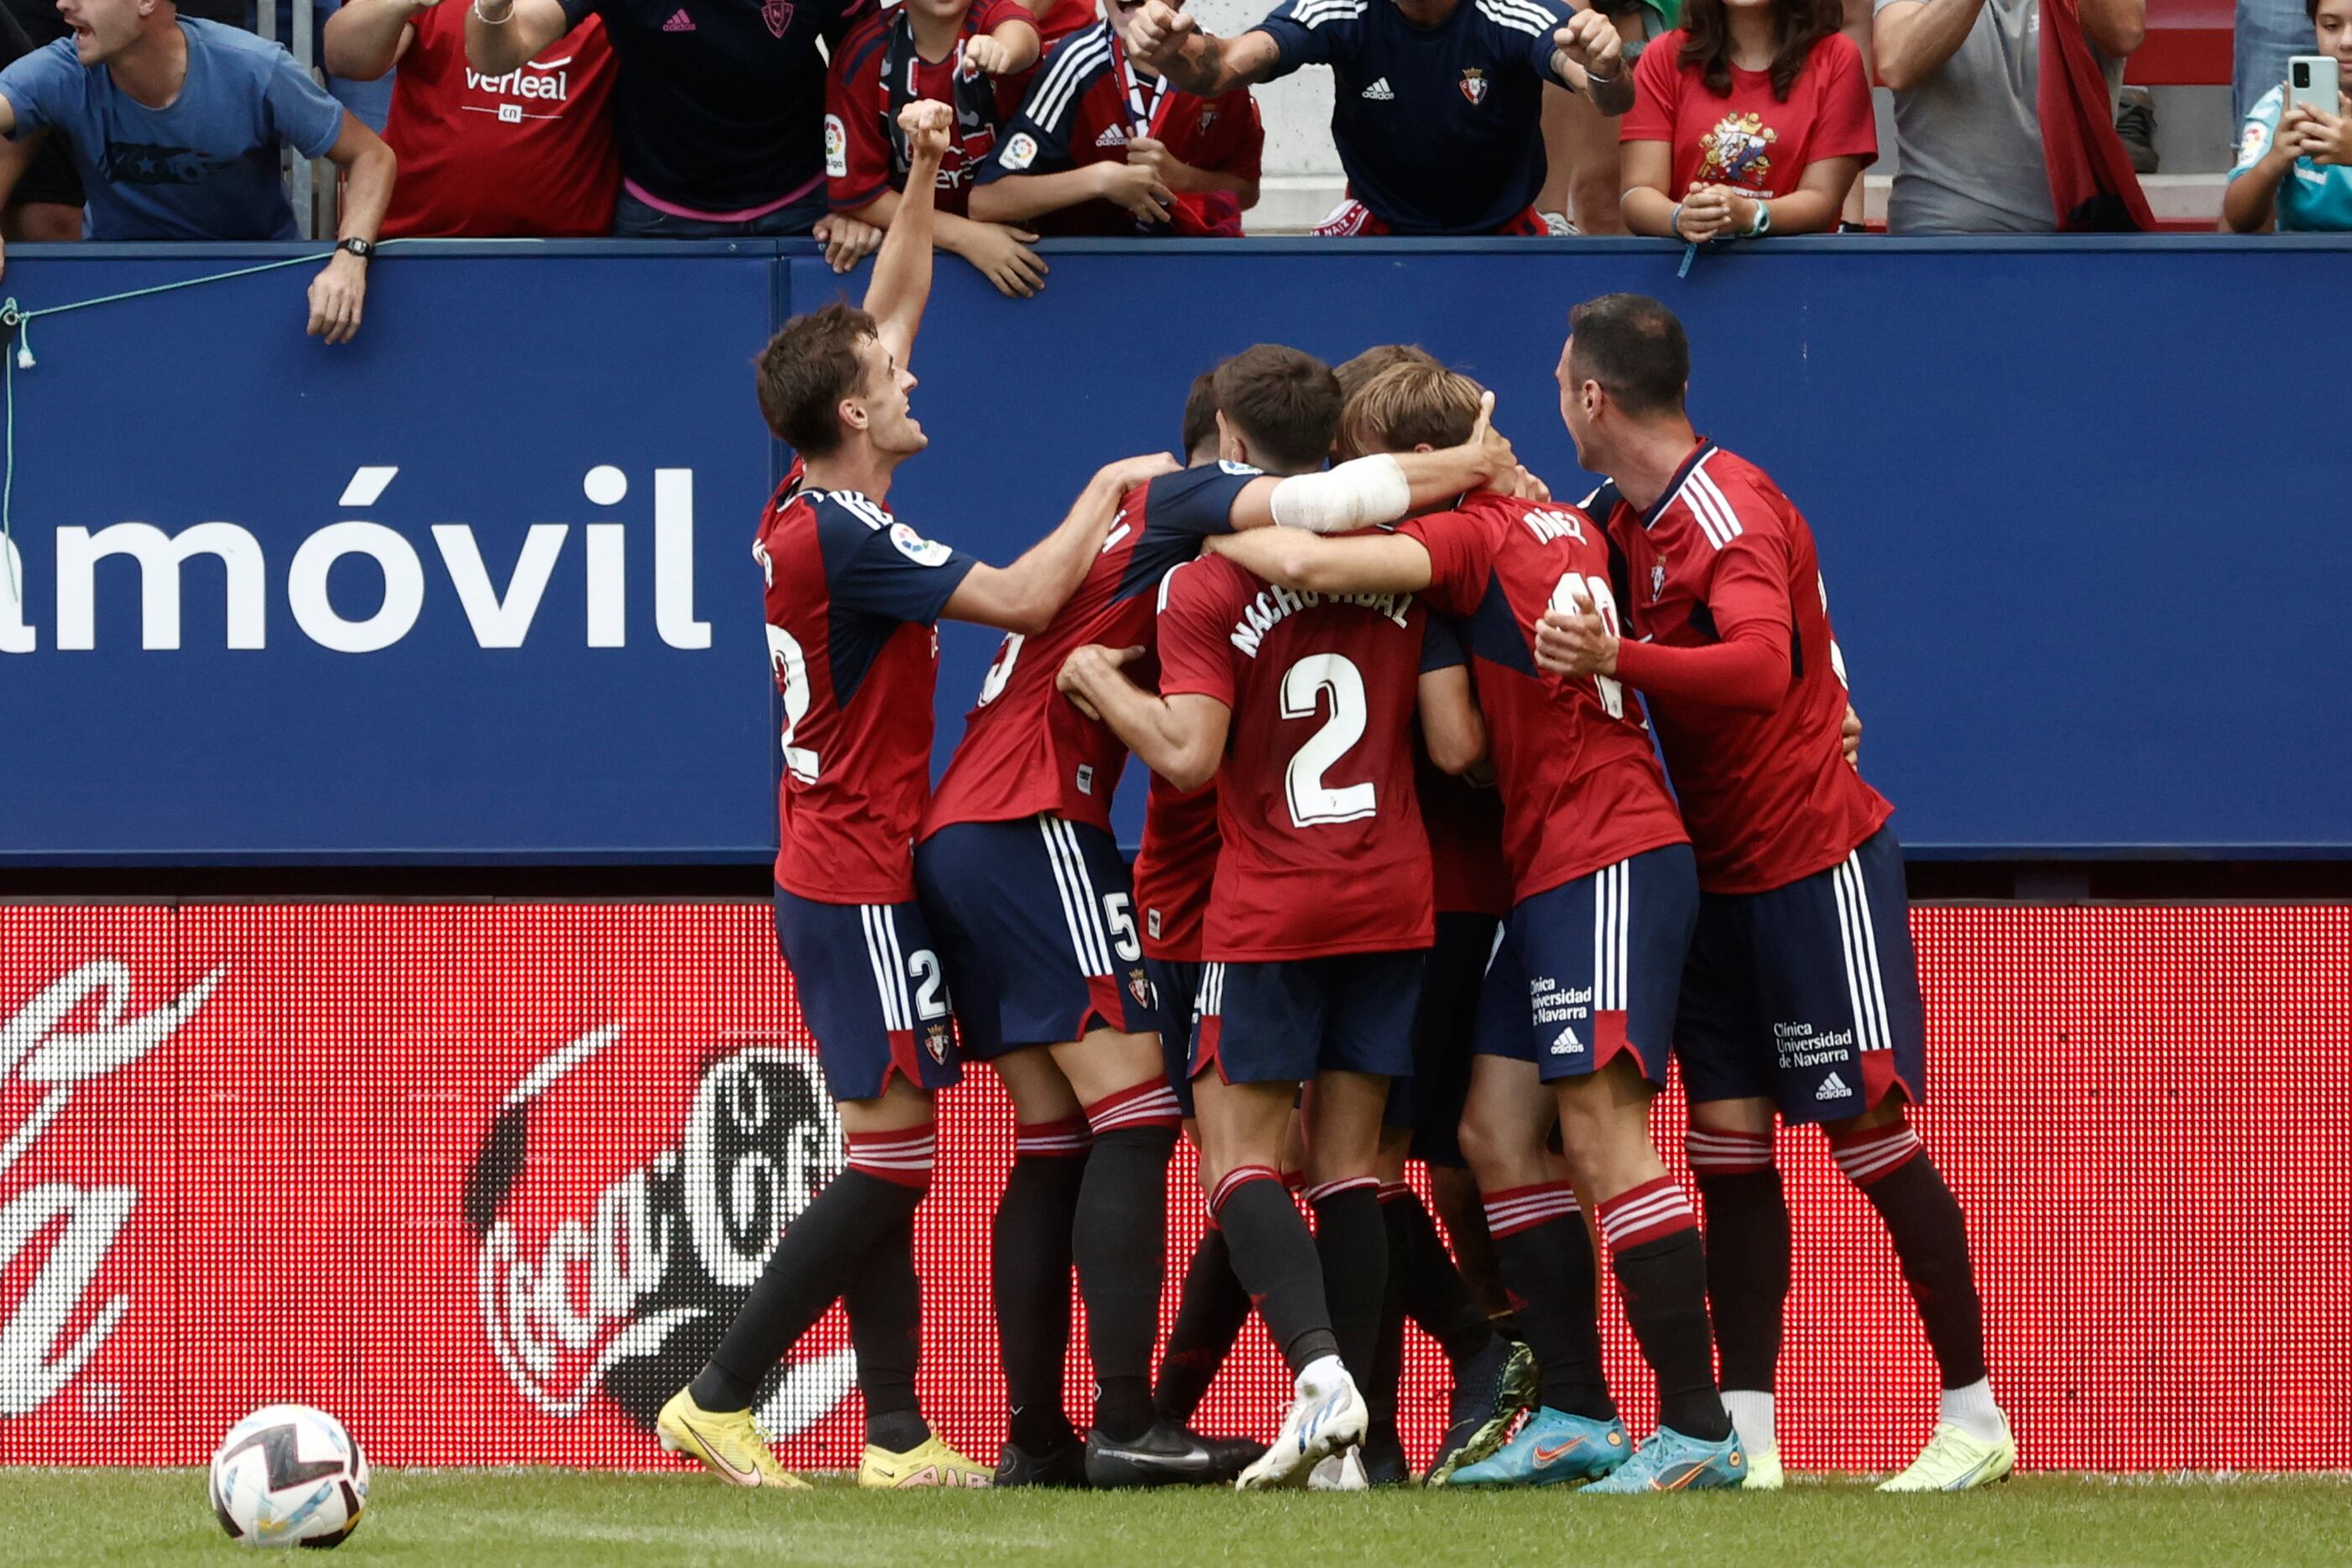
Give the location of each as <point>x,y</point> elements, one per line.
<point>2078,507</point>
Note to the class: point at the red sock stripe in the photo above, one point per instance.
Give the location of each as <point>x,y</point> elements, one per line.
<point>1066,1138</point>
<point>902,1156</point>
<point>1519,1209</point>
<point>1150,1104</point>
<point>1868,1157</point>
<point>1650,1212</point>
<point>1726,1151</point>
<point>1237,1178</point>
<point>1330,1190</point>
<point>1390,1191</point>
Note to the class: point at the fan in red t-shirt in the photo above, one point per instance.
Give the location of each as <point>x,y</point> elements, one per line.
<point>1752,118</point>
<point>524,155</point>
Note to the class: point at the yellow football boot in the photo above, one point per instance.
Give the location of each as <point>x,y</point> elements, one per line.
<point>727,1443</point>
<point>929,1463</point>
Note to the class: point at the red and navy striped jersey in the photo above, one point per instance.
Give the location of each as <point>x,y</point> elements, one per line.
<point>1088,102</point>
<point>1769,796</point>
<point>1439,129</point>
<point>1027,748</point>
<point>851,595</point>
<point>1580,786</point>
<point>1323,850</point>
<point>865,152</point>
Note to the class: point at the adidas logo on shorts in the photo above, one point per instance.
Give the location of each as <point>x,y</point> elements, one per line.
<point>1565,1043</point>
<point>1379,92</point>
<point>1833,1088</point>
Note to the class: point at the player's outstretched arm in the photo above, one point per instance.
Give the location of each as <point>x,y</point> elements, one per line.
<point>1451,725</point>
<point>1293,558</point>
<point>1170,43</point>
<point>1181,738</point>
<point>1367,491</point>
<point>902,273</point>
<point>1023,597</point>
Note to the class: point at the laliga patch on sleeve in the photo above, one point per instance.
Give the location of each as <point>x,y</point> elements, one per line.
<point>917,549</point>
<point>837,148</point>
<point>1019,151</point>
<point>2255,143</point>
<point>1239,470</point>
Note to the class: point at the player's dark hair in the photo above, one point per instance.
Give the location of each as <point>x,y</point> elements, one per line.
<point>1199,415</point>
<point>1411,403</point>
<point>806,371</point>
<point>1285,404</point>
<point>1356,373</point>
<point>1634,348</point>
<point>1798,25</point>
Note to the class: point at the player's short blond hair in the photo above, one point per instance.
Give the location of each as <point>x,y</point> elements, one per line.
<point>1411,403</point>
<point>1357,373</point>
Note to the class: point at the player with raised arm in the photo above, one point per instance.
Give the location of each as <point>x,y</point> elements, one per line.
<point>1026,890</point>
<point>1580,995</point>
<point>1438,106</point>
<point>1802,995</point>
<point>851,598</point>
<point>1300,708</point>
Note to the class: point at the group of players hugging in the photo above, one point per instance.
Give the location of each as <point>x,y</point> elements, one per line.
<point>1412,883</point>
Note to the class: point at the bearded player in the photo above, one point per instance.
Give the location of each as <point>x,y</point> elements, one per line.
<point>1801,1002</point>
<point>1576,1020</point>
<point>852,595</point>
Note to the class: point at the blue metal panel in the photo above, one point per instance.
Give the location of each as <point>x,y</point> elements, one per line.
<point>2079,506</point>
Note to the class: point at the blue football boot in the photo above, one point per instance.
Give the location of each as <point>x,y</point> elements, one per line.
<point>1670,1461</point>
<point>1553,1449</point>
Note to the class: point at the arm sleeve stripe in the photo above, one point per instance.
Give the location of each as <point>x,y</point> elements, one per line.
<point>1069,76</point>
<point>1524,19</point>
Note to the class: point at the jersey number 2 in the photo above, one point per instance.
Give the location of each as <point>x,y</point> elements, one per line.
<point>791,680</point>
<point>1313,802</point>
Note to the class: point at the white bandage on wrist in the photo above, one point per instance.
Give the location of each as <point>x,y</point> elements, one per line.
<point>1355,495</point>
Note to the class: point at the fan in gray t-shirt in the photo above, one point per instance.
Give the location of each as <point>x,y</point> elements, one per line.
<point>1967,125</point>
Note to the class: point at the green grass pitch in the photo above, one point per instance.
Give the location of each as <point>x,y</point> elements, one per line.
<point>523,1519</point>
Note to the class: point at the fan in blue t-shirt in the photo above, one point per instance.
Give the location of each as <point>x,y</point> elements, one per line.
<point>1439,103</point>
<point>175,124</point>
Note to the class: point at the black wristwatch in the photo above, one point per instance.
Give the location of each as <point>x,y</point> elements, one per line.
<point>363,248</point>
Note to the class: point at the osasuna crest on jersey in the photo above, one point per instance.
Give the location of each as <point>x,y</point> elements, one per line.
<point>1473,84</point>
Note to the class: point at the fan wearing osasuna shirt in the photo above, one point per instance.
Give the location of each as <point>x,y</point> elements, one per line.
<point>1026,890</point>
<point>1802,995</point>
<point>1439,103</point>
<point>524,155</point>
<point>973,56</point>
<point>852,595</point>
<point>1579,999</point>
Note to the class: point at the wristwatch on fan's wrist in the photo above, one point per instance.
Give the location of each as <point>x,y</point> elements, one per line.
<point>363,248</point>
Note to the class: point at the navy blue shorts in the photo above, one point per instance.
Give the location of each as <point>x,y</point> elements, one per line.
<point>1592,967</point>
<point>1288,1020</point>
<point>1036,921</point>
<point>1175,992</point>
<point>871,986</point>
<point>1808,995</point>
<point>1429,1104</point>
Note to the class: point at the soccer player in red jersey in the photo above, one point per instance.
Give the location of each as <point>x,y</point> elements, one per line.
<point>1300,706</point>
<point>852,595</point>
<point>974,56</point>
<point>1802,995</point>
<point>1581,994</point>
<point>1029,896</point>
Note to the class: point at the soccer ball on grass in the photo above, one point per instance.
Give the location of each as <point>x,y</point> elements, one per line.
<point>288,1475</point>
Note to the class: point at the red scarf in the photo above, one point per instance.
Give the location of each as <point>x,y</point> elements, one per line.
<point>2092,186</point>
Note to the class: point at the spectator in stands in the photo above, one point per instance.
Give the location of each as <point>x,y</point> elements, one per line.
<point>1104,145</point>
<point>2263,33</point>
<point>1753,118</point>
<point>1438,103</point>
<point>527,154</point>
<point>1583,161</point>
<point>1968,123</point>
<point>2294,165</point>
<point>973,56</point>
<point>719,110</point>
<point>46,203</point>
<point>176,125</point>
